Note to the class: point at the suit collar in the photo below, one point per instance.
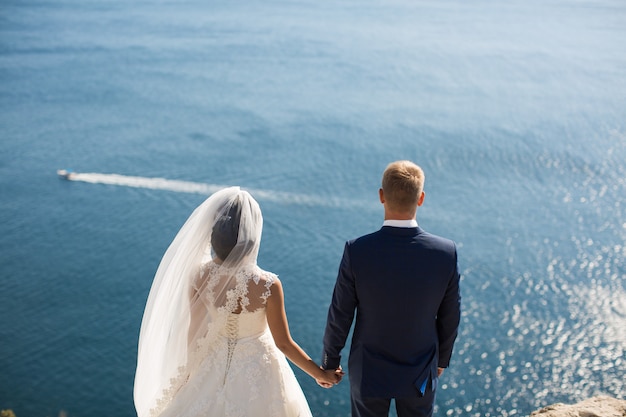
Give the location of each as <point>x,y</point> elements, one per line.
<point>401,231</point>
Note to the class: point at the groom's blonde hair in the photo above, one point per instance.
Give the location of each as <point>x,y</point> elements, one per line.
<point>403,183</point>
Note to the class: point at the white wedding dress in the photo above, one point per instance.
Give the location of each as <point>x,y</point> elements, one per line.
<point>205,349</point>
<point>243,374</point>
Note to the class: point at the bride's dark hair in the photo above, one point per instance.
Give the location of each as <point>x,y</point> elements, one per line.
<point>226,230</point>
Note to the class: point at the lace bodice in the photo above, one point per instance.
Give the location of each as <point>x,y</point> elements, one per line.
<point>249,293</point>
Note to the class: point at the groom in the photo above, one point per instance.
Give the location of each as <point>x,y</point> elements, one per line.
<point>403,284</point>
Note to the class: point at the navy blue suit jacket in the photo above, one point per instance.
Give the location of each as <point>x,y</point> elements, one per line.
<point>403,285</point>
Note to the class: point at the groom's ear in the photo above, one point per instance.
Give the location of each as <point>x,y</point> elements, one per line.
<point>420,200</point>
<point>381,195</point>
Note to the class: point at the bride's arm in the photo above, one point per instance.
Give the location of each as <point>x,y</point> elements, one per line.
<point>277,321</point>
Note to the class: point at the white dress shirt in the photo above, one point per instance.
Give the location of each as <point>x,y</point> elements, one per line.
<point>400,223</point>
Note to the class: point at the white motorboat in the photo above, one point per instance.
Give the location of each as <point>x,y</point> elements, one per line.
<point>65,173</point>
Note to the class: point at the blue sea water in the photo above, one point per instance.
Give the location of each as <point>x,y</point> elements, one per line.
<point>516,111</point>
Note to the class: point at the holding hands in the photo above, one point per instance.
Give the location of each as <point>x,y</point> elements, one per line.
<point>329,377</point>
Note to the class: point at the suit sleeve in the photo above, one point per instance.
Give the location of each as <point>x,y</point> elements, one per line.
<point>449,316</point>
<point>340,313</point>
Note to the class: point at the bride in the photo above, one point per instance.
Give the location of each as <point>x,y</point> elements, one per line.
<point>214,334</point>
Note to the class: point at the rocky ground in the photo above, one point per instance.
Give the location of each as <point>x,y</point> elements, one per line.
<point>601,406</point>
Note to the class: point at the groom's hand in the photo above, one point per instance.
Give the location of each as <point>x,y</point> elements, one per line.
<point>339,373</point>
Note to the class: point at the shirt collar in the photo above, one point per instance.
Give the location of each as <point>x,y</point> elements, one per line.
<point>400,223</point>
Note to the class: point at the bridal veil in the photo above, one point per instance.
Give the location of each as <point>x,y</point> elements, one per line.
<point>179,317</point>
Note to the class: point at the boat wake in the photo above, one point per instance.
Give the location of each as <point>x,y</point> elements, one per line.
<point>199,188</point>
